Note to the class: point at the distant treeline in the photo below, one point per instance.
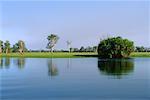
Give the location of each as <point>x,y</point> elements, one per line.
<point>5,47</point>
<point>141,49</point>
<point>81,49</point>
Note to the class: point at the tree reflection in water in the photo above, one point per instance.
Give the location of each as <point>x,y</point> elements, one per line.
<point>116,67</point>
<point>1,63</point>
<point>21,63</point>
<point>5,62</point>
<point>52,69</point>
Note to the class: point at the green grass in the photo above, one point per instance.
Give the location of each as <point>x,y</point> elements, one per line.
<point>66,55</point>
<point>51,55</point>
<point>140,54</point>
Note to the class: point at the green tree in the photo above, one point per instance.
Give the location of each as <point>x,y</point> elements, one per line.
<point>82,49</point>
<point>15,47</point>
<point>21,46</point>
<point>115,47</point>
<point>7,47</point>
<point>1,46</point>
<point>52,40</point>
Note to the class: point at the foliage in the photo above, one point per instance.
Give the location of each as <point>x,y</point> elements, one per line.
<point>1,46</point>
<point>115,47</point>
<point>7,47</point>
<point>52,40</point>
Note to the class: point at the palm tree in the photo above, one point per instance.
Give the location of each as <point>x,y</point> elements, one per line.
<point>52,40</point>
<point>7,47</point>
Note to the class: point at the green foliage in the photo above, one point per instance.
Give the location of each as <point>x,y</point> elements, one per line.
<point>115,47</point>
<point>52,40</point>
<point>1,46</point>
<point>7,47</point>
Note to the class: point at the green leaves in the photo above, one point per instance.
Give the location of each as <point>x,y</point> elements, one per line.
<point>52,40</point>
<point>115,47</point>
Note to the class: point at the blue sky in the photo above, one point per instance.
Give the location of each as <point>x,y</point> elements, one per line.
<point>82,22</point>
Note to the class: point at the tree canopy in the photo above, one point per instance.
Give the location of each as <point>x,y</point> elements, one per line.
<point>115,47</point>
<point>52,40</point>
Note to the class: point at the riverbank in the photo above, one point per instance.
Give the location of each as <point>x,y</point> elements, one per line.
<point>66,54</point>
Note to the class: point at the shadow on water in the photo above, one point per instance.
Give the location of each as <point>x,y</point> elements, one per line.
<point>52,68</point>
<point>116,67</point>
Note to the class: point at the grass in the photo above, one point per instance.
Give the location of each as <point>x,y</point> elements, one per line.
<point>66,54</point>
<point>51,55</point>
<point>140,54</point>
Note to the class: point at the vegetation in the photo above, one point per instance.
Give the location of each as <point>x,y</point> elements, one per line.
<point>1,46</point>
<point>52,40</point>
<point>115,47</point>
<point>66,54</point>
<point>7,47</point>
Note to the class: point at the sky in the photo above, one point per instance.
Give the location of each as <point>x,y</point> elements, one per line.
<point>83,23</point>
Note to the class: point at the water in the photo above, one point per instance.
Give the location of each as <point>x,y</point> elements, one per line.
<point>74,79</point>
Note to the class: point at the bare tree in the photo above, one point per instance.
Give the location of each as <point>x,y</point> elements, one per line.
<point>69,45</point>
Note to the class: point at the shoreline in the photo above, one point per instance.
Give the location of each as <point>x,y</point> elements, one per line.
<point>65,55</point>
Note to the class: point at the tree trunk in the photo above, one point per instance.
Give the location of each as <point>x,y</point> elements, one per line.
<point>0,50</point>
<point>7,51</point>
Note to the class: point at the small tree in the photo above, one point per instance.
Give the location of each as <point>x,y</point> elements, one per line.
<point>52,40</point>
<point>7,47</point>
<point>115,47</point>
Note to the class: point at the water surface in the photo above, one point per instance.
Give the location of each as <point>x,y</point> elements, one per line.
<point>74,78</point>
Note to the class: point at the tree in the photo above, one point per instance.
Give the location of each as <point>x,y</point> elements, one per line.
<point>21,46</point>
<point>15,47</point>
<point>52,40</point>
<point>1,46</point>
<point>115,47</point>
<point>7,47</point>
<point>69,45</point>
<point>82,49</point>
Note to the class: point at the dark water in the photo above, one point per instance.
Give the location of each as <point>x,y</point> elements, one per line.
<point>74,79</point>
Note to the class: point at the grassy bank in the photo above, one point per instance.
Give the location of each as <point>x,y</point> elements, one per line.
<point>140,54</point>
<point>66,55</point>
<point>50,55</point>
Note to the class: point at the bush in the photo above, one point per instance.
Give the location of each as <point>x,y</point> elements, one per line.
<point>115,47</point>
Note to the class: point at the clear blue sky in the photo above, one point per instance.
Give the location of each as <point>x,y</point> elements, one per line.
<point>82,22</point>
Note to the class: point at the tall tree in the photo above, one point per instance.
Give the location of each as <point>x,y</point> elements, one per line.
<point>69,45</point>
<point>7,47</point>
<point>21,46</point>
<point>1,46</point>
<point>52,40</point>
<point>15,47</point>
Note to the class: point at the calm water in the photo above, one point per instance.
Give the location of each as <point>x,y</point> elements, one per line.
<point>74,79</point>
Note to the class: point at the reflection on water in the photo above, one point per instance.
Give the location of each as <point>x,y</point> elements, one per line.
<point>116,67</point>
<point>4,63</point>
<point>52,69</point>
<point>20,62</point>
